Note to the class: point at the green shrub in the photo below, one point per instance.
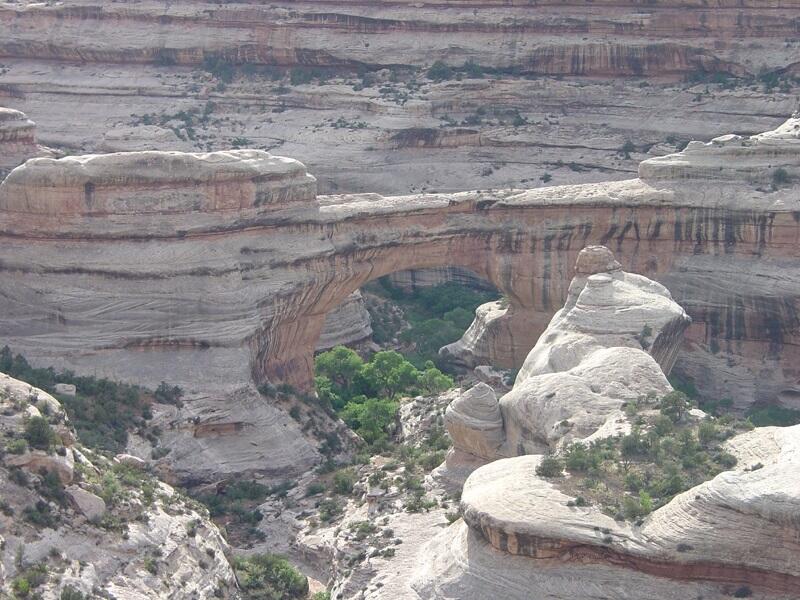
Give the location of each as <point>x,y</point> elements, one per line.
<point>627,148</point>
<point>160,452</point>
<point>18,446</point>
<point>219,68</point>
<point>473,69</point>
<point>168,394</point>
<point>40,514</point>
<point>18,476</point>
<point>21,587</point>
<point>39,433</point>
<point>707,433</point>
<point>70,593</point>
<point>150,565</point>
<point>439,71</point>
<point>578,458</point>
<point>774,416</point>
<point>314,488</point>
<point>269,577</point>
<point>102,411</point>
<point>329,509</point>
<point>780,176</point>
<point>343,481</point>
<point>550,467</point>
<point>52,488</point>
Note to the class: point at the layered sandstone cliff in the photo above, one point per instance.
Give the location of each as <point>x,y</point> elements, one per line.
<point>348,323</point>
<point>216,271</point>
<point>580,38</point>
<point>555,90</point>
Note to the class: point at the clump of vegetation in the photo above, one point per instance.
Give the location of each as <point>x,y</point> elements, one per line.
<point>667,452</point>
<point>236,506</point>
<point>627,149</point>
<point>168,394</point>
<point>439,71</point>
<point>17,446</point>
<point>550,467</point>
<point>28,580</point>
<point>329,509</point>
<point>40,514</point>
<point>70,593</point>
<point>219,68</point>
<point>102,411</point>
<point>38,433</point>
<point>364,393</point>
<point>780,177</point>
<point>269,577</point>
<point>773,416</point>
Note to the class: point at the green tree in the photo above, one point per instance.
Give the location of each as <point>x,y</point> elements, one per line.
<point>473,69</point>
<point>328,393</point>
<point>580,459</point>
<point>340,365</point>
<point>433,381</point>
<point>371,418</point>
<point>388,373</point>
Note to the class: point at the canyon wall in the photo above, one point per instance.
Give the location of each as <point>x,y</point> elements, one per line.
<point>554,92</point>
<point>572,38</point>
<point>224,266</point>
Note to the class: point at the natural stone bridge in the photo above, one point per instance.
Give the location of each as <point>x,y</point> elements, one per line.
<point>209,268</point>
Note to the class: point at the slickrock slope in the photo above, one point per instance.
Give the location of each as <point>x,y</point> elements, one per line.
<point>522,537</point>
<point>102,527</point>
<point>613,341</point>
<point>216,270</point>
<point>519,537</point>
<point>565,85</point>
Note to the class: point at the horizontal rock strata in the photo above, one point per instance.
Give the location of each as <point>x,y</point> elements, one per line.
<point>346,324</point>
<point>101,77</point>
<point>211,270</point>
<point>556,38</point>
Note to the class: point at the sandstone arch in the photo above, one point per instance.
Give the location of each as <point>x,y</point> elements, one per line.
<point>202,267</point>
